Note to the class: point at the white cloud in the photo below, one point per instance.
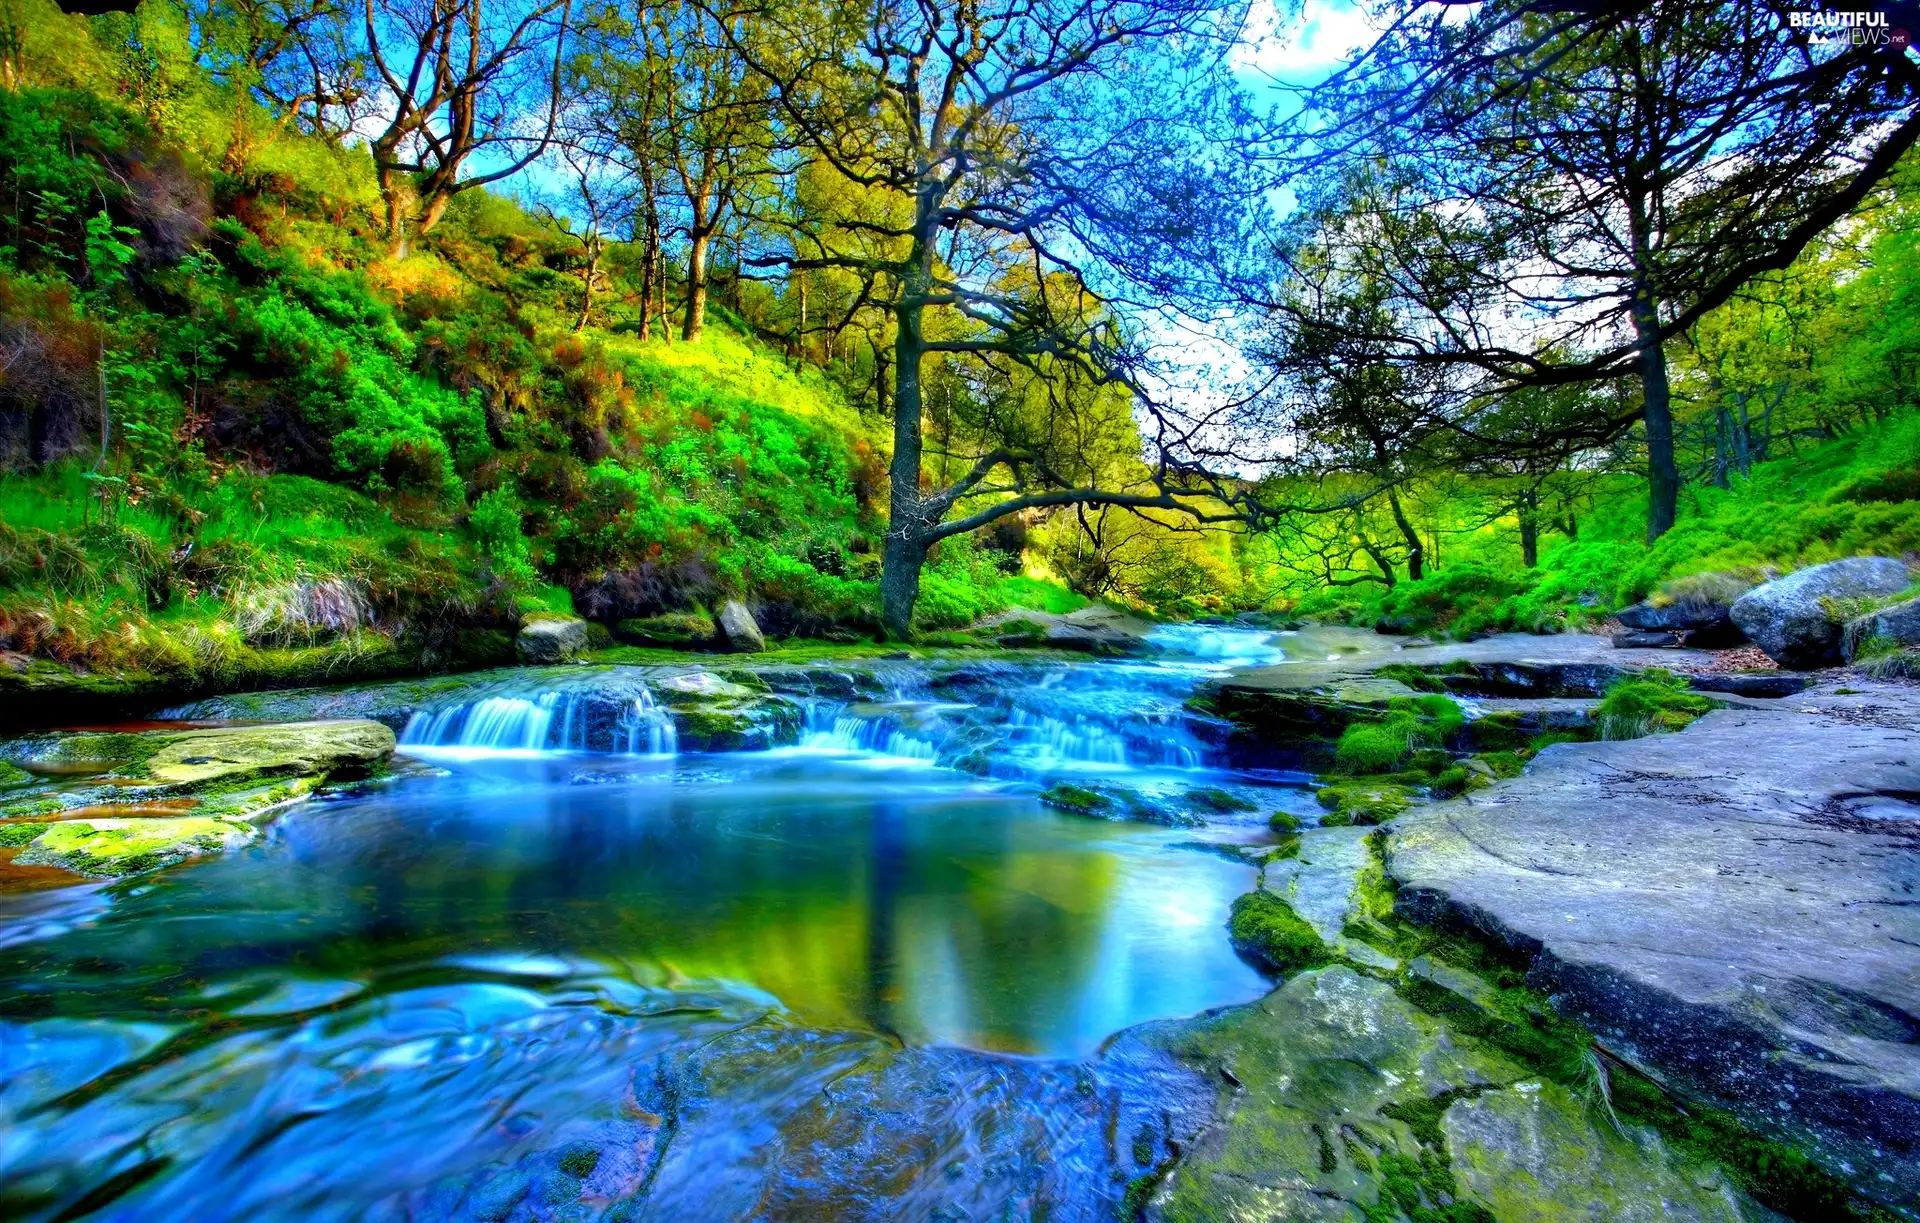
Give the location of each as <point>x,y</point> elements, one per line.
<point>1303,46</point>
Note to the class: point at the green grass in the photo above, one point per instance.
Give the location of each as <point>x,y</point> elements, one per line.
<point>1037,595</point>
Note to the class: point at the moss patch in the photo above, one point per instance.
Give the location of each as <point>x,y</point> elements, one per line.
<point>1077,799</point>
<point>1211,798</point>
<point>1265,927</point>
<point>1362,802</point>
<point>127,847</point>
<point>1654,701</point>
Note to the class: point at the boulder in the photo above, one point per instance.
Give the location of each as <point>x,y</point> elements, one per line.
<point>108,803</point>
<point>671,631</point>
<point>542,642</point>
<point>1673,617</point>
<point>1330,1085</point>
<point>1899,624</point>
<point>1730,908</point>
<point>1649,639</point>
<point>1791,619</point>
<point>739,633</point>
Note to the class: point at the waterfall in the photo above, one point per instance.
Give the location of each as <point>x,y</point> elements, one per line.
<point>545,721</point>
<point>831,728</point>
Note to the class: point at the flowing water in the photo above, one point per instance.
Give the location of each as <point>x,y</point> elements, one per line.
<point>562,969</point>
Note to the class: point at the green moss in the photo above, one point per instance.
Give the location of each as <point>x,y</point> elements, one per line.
<point>1453,781</point>
<point>130,846</point>
<point>1420,679</point>
<point>580,1159</point>
<point>1372,747</point>
<point>1265,927</point>
<point>11,777</point>
<point>14,835</point>
<point>1077,799</point>
<point>1362,802</point>
<point>1213,799</point>
<point>1283,821</point>
<point>1651,702</point>
<point>1504,764</point>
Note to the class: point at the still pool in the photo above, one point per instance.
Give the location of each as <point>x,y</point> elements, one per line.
<point>399,1003</point>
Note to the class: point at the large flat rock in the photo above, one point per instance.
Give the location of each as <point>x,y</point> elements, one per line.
<point>1736,908</point>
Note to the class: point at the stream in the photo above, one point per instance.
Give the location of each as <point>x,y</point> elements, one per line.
<point>563,966</point>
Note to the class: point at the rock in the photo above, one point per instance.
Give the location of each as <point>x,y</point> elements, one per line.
<point>333,750</point>
<point>738,631</point>
<point>542,642</point>
<point>1675,617</point>
<point>1790,618</point>
<point>1899,624</point>
<point>1649,639</point>
<point>711,714</point>
<point>115,804</point>
<point>1091,630</point>
<point>672,631</point>
<point>1531,1152</point>
<point>1769,684</point>
<point>1730,907</point>
<point>109,847</point>
<point>1327,1085</point>
<point>1319,884</point>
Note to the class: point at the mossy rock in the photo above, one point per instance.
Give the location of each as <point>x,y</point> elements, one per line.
<point>1284,821</point>
<point>12,777</point>
<point>714,730</point>
<point>336,750</point>
<point>1212,798</point>
<point>1362,802</point>
<point>20,833</point>
<point>1266,928</point>
<point>671,631</point>
<point>111,847</point>
<point>1077,799</point>
<point>1532,1151</point>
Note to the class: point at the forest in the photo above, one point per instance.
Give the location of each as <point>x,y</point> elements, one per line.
<point>342,339</point>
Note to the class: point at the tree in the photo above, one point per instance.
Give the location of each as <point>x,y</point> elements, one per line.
<point>456,78</point>
<point>1566,192</point>
<point>1013,171</point>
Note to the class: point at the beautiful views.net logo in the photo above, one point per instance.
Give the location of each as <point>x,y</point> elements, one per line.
<point>1856,27</point>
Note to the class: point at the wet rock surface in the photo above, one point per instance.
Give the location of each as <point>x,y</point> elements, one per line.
<point>1338,1100</point>
<point>546,641</point>
<point>111,803</point>
<point>1732,907</point>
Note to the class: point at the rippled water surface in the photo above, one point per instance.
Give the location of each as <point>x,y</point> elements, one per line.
<point>523,969</point>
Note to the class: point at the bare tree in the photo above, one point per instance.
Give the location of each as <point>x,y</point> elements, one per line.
<point>458,82</point>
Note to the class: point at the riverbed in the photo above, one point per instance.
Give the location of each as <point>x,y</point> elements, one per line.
<point>560,967</point>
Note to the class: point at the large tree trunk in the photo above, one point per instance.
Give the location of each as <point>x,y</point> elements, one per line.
<point>1416,555</point>
<point>397,194</point>
<point>906,547</point>
<point>1656,398</point>
<point>696,286</point>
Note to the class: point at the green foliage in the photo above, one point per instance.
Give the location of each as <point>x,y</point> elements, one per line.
<point>1653,701</point>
